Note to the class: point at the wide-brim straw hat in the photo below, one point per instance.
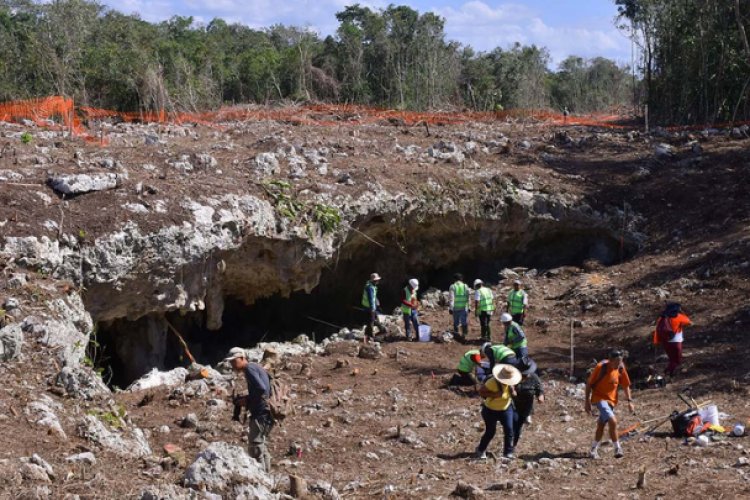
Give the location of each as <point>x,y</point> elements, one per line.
<point>506,374</point>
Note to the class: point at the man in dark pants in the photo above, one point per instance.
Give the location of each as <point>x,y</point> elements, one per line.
<point>258,392</point>
<point>371,304</point>
<point>484,305</point>
<point>529,388</point>
<point>498,407</point>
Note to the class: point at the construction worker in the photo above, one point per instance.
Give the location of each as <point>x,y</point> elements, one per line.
<point>459,306</point>
<point>409,306</point>
<point>515,338</point>
<point>498,354</point>
<point>498,407</point>
<point>518,302</point>
<point>465,370</point>
<point>669,334</point>
<point>484,305</point>
<point>601,391</point>
<point>371,304</point>
<point>528,389</point>
<point>258,391</point>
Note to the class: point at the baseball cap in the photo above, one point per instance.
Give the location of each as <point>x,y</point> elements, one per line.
<point>236,352</point>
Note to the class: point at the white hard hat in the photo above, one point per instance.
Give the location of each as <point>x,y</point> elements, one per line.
<point>478,282</point>
<point>236,352</point>
<point>374,277</point>
<point>506,318</point>
<point>414,283</point>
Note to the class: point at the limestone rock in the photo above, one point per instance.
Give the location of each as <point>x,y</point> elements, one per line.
<point>11,339</point>
<point>81,382</point>
<point>223,468</point>
<point>42,413</point>
<point>74,184</point>
<point>267,164</point>
<point>129,442</point>
<point>86,458</point>
<point>468,491</point>
<point>156,378</point>
<point>34,473</point>
<point>370,351</point>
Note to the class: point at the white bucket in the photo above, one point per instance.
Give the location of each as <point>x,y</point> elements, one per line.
<point>424,333</point>
<point>710,414</point>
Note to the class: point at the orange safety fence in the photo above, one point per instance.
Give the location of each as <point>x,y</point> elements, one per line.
<point>59,112</point>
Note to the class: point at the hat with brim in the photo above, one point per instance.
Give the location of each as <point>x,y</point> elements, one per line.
<point>236,353</point>
<point>506,374</point>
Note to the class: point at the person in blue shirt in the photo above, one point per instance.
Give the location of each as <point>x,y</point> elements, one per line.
<point>258,391</point>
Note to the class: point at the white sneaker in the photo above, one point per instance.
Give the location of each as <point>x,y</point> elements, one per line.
<point>480,455</point>
<point>528,419</point>
<point>594,453</point>
<point>619,453</point>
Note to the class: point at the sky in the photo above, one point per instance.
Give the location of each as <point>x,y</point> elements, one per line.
<point>584,28</point>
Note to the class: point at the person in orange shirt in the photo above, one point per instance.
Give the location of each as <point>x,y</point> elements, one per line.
<point>669,334</point>
<point>601,391</point>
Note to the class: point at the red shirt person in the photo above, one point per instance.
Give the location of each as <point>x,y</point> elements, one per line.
<point>669,334</point>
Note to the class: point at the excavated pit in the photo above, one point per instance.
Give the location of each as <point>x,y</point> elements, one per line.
<point>431,251</point>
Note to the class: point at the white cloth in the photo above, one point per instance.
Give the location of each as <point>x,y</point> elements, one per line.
<point>677,337</point>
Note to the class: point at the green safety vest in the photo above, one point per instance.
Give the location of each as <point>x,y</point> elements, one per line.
<point>466,365</point>
<point>460,295</point>
<point>512,337</point>
<point>412,294</point>
<point>515,299</point>
<point>486,300</point>
<point>500,352</point>
<point>366,299</point>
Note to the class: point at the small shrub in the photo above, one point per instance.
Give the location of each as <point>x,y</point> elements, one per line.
<point>26,137</point>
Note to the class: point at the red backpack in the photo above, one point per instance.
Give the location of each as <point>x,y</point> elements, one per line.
<point>664,331</point>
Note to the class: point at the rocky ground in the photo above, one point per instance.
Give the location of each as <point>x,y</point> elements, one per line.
<point>94,233</point>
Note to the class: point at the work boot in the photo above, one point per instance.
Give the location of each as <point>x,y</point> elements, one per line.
<point>464,331</point>
<point>480,455</point>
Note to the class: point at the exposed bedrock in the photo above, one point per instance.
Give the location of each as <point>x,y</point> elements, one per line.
<point>239,251</point>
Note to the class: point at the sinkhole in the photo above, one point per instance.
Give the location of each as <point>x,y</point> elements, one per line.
<point>126,349</point>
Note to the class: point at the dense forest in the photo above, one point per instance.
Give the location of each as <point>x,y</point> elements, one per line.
<point>692,62</point>
<point>695,57</point>
<point>396,58</point>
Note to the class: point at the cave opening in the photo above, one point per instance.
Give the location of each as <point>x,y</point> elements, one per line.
<point>128,349</point>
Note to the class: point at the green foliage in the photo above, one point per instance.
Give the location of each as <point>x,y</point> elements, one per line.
<point>286,203</point>
<point>393,57</point>
<point>26,137</point>
<point>327,216</point>
<point>113,418</point>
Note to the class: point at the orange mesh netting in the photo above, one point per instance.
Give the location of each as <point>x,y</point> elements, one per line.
<point>62,112</point>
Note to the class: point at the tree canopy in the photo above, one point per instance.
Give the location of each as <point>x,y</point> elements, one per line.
<point>394,57</point>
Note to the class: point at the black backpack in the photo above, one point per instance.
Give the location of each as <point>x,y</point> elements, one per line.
<point>683,422</point>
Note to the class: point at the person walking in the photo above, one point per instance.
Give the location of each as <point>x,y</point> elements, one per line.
<point>409,306</point>
<point>528,389</point>
<point>497,407</point>
<point>515,338</point>
<point>518,302</point>
<point>601,391</point>
<point>465,370</point>
<point>371,304</point>
<point>669,334</point>
<point>484,305</point>
<point>499,353</point>
<point>459,306</point>
<point>258,391</point>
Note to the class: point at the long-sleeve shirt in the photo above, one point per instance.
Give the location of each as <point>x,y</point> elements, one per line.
<point>258,390</point>
<point>529,387</point>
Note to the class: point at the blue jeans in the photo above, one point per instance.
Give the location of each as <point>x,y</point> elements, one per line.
<point>410,320</point>
<point>491,418</point>
<point>460,318</point>
<point>521,352</point>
